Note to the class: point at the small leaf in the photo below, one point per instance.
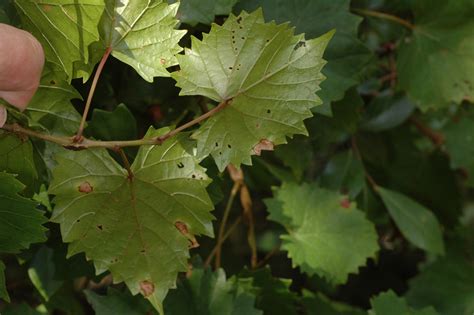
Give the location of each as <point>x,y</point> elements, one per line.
<point>141,34</point>
<point>16,157</point>
<point>318,304</point>
<point>267,76</point>
<point>127,225</point>
<point>51,107</point>
<point>320,227</point>
<point>389,304</point>
<point>3,287</point>
<point>193,12</point>
<point>273,294</point>
<point>344,172</point>
<point>118,303</point>
<point>438,50</point>
<point>65,29</point>
<point>417,224</point>
<point>42,273</point>
<point>20,222</point>
<point>210,293</point>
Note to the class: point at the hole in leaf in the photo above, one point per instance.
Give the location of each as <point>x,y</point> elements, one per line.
<point>269,111</point>
<point>229,146</point>
<point>100,227</point>
<point>143,251</point>
<point>52,82</point>
<point>243,38</point>
<point>230,68</point>
<point>78,220</point>
<point>239,19</point>
<point>217,144</point>
<point>180,165</point>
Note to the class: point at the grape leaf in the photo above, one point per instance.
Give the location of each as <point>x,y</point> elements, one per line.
<point>138,227</point>
<point>210,293</point>
<point>20,221</point>
<point>3,287</point>
<point>51,107</point>
<point>389,304</point>
<point>65,29</point>
<point>447,284</point>
<point>439,49</point>
<point>319,224</point>
<point>267,76</point>
<point>347,56</point>
<point>118,303</point>
<point>16,157</point>
<point>142,35</point>
<point>417,224</point>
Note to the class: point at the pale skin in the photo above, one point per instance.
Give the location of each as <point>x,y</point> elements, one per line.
<point>21,64</point>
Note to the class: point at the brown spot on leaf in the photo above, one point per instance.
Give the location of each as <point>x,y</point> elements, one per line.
<point>46,7</point>
<point>86,188</point>
<point>147,288</point>
<point>263,145</point>
<point>345,203</point>
<point>182,227</point>
<point>163,61</point>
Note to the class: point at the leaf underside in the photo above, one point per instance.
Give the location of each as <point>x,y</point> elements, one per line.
<point>268,75</point>
<point>141,228</point>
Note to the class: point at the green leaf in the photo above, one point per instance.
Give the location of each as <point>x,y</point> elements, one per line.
<point>389,304</point>
<point>417,224</point>
<point>20,222</point>
<point>267,75</point>
<point>319,228</point>
<point>347,56</point>
<point>458,142</point>
<point>447,284</point>
<point>118,303</point>
<point>127,225</point>
<point>3,287</point>
<point>20,309</point>
<point>437,50</point>
<point>51,107</point>
<point>193,12</point>
<point>210,293</point>
<point>273,294</point>
<point>117,125</point>
<point>65,29</point>
<point>296,155</point>
<point>141,34</point>
<point>318,304</point>
<point>16,157</point>
<point>386,112</point>
<point>42,273</point>
<point>345,173</point>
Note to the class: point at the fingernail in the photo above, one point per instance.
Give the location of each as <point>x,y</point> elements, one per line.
<point>3,116</point>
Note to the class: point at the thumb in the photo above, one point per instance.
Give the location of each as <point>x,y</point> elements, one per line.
<point>3,116</point>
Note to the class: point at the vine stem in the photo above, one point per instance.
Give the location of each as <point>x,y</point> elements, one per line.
<point>97,74</point>
<point>220,237</point>
<point>385,16</point>
<point>219,243</point>
<point>72,144</point>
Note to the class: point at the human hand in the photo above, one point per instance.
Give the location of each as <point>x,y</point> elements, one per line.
<point>21,64</point>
